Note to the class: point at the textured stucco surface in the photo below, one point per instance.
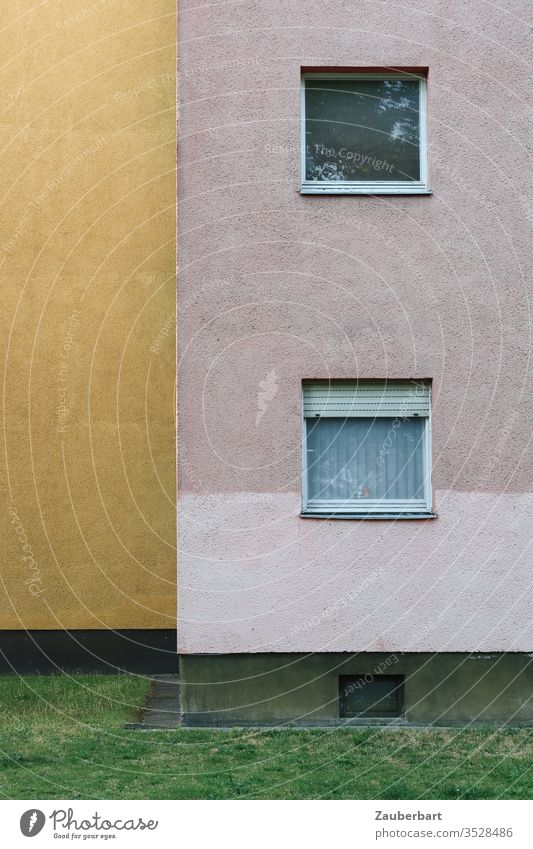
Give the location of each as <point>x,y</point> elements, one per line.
<point>261,577</point>
<point>353,287</point>
<point>87,221</point>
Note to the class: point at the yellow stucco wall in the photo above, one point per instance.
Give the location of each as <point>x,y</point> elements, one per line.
<point>87,246</point>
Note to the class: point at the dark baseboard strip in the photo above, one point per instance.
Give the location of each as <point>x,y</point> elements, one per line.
<point>104,651</point>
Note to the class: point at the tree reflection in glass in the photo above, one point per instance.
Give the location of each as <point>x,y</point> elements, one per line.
<point>362,130</point>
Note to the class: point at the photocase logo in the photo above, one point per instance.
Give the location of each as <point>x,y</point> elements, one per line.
<point>32,822</point>
<point>268,389</point>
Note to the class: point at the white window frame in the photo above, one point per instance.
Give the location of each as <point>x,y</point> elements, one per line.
<point>370,508</point>
<point>365,187</point>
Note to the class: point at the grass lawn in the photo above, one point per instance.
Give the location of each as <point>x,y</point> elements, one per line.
<point>62,737</point>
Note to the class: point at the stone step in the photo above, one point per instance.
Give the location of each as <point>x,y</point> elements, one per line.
<point>162,707</point>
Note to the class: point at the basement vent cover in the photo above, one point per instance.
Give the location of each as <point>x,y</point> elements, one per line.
<point>371,695</point>
<point>366,398</point>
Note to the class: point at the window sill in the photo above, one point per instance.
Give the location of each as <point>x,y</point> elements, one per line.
<point>370,189</point>
<point>324,514</point>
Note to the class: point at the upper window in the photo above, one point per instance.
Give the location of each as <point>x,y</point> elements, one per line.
<point>364,133</point>
<point>371,695</point>
<point>366,448</point>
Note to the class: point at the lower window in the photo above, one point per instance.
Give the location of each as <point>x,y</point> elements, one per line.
<point>367,448</point>
<point>371,695</point>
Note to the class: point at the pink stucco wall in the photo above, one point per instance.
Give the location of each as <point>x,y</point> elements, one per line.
<point>310,287</point>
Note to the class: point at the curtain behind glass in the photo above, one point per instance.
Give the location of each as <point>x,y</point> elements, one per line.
<point>358,459</point>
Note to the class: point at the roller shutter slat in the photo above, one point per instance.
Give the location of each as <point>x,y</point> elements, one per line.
<point>372,399</point>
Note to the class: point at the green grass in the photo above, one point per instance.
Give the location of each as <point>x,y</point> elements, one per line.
<point>63,737</point>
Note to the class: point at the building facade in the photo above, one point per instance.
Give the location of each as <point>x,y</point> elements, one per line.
<point>87,261</point>
<point>354,378</point>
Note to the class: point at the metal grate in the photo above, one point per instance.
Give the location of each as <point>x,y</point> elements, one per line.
<point>371,695</point>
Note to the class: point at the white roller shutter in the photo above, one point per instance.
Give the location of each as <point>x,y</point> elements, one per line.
<point>370,398</point>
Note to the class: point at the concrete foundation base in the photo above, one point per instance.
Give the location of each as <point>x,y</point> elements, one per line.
<point>308,690</point>
<point>104,651</point>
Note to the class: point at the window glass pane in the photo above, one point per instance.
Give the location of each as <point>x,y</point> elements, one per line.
<point>362,130</point>
<point>358,459</point>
